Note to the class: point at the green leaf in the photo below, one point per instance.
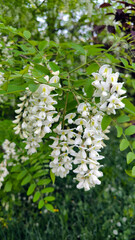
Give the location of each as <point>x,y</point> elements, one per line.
<point>33,87</point>
<point>78,83</point>
<point>124,144</point>
<point>5,86</point>
<point>41,204</point>
<point>130,130</point>
<point>77,47</point>
<point>39,174</point>
<point>53,66</point>
<point>124,61</point>
<point>42,45</point>
<point>88,88</point>
<point>52,175</point>
<point>26,180</point>
<point>133,83</point>
<point>31,189</point>
<point>129,107</point>
<point>53,44</point>
<point>112,58</point>
<point>119,131</point>
<point>47,190</point>
<point>8,186</point>
<point>49,207</point>
<point>12,29</point>
<point>105,122</point>
<point>123,118</point>
<point>133,171</point>
<point>16,168</point>
<point>93,50</point>
<point>36,196</point>
<point>92,68</point>
<point>42,70</point>
<point>25,70</point>
<point>33,43</point>
<point>133,145</point>
<point>130,157</point>
<point>133,65</point>
<point>21,174</point>
<point>129,173</point>
<point>49,198</point>
<point>12,88</point>
<point>44,181</point>
<point>27,34</point>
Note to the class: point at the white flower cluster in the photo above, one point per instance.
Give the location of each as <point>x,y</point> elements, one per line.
<point>89,141</point>
<point>9,153</point>
<point>62,162</point>
<point>36,114</point>
<point>9,150</point>
<point>108,90</point>
<point>81,140</point>
<point>6,48</point>
<point>79,146</point>
<point>3,171</point>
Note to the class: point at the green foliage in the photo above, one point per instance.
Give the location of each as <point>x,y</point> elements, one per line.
<point>8,186</point>
<point>36,196</point>
<point>123,119</point>
<point>119,131</point>
<point>130,130</point>
<point>31,189</point>
<point>129,107</point>
<point>106,122</point>
<point>124,144</point>
<point>130,157</point>
<point>27,34</point>
<point>52,175</point>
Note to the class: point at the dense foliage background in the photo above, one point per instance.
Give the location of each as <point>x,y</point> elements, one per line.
<point>75,37</point>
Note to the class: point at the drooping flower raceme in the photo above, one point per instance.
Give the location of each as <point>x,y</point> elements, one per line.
<point>9,150</point>
<point>9,153</point>
<point>3,171</point>
<point>83,135</point>
<point>108,90</point>
<point>36,116</point>
<point>79,145</point>
<point>62,160</point>
<point>88,144</point>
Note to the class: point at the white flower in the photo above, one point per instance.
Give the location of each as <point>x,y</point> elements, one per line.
<point>118,224</point>
<point>108,90</point>
<point>97,77</point>
<point>115,232</point>
<point>105,71</point>
<point>84,109</point>
<point>117,88</point>
<point>46,78</point>
<point>70,117</point>
<point>56,73</point>
<point>113,78</point>
<point>54,79</point>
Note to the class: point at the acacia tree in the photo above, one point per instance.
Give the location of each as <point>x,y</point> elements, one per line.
<point>67,91</point>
